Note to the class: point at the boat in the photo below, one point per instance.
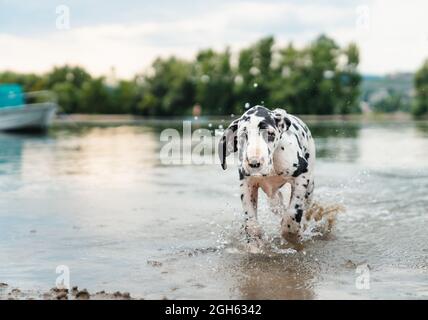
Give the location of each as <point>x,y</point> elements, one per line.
<point>25,110</point>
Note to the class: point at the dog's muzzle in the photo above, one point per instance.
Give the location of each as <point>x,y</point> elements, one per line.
<point>254,163</point>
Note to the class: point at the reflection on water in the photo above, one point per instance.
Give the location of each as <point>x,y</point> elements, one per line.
<point>280,277</point>
<point>99,200</point>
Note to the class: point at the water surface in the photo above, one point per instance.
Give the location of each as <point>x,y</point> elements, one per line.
<point>98,200</point>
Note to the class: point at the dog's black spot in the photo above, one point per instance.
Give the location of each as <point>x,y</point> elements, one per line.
<point>266,114</point>
<point>235,144</point>
<point>301,124</point>
<point>302,166</point>
<point>241,174</point>
<point>299,215</point>
<point>282,148</point>
<point>263,125</point>
<point>287,122</point>
<point>242,197</point>
<point>307,155</point>
<point>295,126</point>
<point>251,111</point>
<point>298,141</point>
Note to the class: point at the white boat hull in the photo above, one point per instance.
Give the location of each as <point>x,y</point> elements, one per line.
<point>36,116</point>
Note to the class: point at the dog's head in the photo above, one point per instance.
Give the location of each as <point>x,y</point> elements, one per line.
<point>255,135</point>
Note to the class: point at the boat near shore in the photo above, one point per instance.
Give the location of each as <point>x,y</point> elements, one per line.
<point>31,111</point>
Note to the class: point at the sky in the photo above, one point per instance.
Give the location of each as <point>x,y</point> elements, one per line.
<point>128,35</point>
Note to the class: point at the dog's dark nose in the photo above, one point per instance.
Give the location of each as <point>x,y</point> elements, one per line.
<point>254,163</point>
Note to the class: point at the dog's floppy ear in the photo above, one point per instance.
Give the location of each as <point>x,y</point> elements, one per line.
<point>228,143</point>
<point>281,119</point>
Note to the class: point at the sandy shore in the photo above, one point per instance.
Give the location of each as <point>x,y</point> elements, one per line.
<point>11,293</point>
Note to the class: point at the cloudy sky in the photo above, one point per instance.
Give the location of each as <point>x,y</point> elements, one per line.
<point>129,34</point>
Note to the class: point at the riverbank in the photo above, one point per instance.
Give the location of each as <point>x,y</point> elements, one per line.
<point>104,119</point>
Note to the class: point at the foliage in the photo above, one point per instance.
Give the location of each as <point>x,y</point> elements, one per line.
<point>421,87</point>
<point>321,78</point>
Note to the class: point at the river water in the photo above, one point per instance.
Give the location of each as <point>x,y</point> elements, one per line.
<point>98,200</point>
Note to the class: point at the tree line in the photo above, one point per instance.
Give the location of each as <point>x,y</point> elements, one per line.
<point>320,78</point>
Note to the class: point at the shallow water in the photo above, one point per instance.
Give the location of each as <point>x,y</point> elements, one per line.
<point>98,200</point>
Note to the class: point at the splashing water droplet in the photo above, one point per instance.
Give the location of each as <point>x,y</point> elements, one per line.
<point>247,105</point>
<point>220,126</point>
<point>196,118</point>
<point>255,85</point>
<point>210,125</point>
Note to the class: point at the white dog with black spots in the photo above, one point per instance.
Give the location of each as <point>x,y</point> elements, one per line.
<point>274,148</point>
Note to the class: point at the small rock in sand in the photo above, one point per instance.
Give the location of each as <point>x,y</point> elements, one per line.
<point>154,263</point>
<point>62,296</point>
<point>83,295</point>
<point>350,264</point>
<point>120,295</point>
<point>3,285</point>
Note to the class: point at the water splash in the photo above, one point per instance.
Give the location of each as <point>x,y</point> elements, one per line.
<point>319,220</point>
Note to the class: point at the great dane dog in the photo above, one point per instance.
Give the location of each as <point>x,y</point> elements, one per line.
<point>274,148</point>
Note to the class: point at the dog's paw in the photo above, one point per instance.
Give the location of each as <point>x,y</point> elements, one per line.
<point>253,237</point>
<point>253,229</point>
<point>254,248</point>
<point>254,244</point>
<point>290,229</point>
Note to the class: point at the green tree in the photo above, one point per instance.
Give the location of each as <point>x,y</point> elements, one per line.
<point>95,97</point>
<point>67,82</point>
<point>393,102</point>
<point>30,82</point>
<point>125,97</point>
<point>348,86</point>
<point>319,79</point>
<point>254,74</point>
<point>214,80</point>
<point>76,76</point>
<point>421,87</point>
<point>169,89</point>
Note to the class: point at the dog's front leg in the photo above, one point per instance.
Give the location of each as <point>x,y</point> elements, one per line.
<point>249,197</point>
<point>290,224</point>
